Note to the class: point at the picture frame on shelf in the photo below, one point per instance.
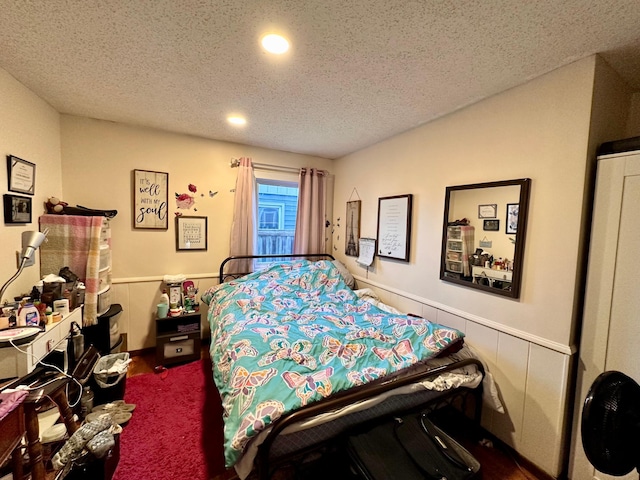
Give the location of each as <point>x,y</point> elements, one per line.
<point>488,210</point>
<point>17,209</point>
<point>512,218</point>
<point>191,233</point>
<point>21,175</point>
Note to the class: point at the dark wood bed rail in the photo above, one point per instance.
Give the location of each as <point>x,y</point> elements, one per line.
<point>223,277</point>
<point>353,395</point>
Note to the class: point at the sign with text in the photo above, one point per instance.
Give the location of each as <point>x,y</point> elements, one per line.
<point>150,199</point>
<point>191,233</point>
<point>394,227</point>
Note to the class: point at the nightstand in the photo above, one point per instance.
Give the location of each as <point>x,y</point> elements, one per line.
<point>178,339</point>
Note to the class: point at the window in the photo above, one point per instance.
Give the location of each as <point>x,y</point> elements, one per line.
<point>277,209</point>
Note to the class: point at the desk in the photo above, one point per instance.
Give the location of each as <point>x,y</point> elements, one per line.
<point>17,364</point>
<point>13,429</point>
<point>491,275</point>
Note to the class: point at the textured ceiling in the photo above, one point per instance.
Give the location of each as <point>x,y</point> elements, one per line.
<point>359,71</point>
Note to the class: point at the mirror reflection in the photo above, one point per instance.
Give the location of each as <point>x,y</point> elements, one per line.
<point>483,237</point>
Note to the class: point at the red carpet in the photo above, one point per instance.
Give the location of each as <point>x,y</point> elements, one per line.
<point>176,428</point>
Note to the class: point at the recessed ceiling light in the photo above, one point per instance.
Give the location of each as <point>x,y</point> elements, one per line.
<point>275,43</point>
<point>236,120</point>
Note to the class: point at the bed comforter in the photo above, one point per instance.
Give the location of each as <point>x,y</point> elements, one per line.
<point>294,334</point>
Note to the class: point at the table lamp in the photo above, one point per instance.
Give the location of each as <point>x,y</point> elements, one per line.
<point>30,243</point>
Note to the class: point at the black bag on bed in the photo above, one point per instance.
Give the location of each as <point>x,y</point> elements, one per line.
<point>409,448</point>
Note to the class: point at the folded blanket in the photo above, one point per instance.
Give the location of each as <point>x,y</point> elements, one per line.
<point>74,241</point>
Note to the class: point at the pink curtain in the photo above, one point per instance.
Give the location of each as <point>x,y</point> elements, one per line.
<point>310,220</point>
<point>243,233</point>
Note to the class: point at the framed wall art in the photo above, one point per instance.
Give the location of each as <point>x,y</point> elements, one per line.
<point>191,233</point>
<point>17,209</point>
<point>21,175</point>
<point>512,218</point>
<point>352,234</point>
<point>150,199</point>
<point>488,211</point>
<point>491,225</point>
<point>394,227</point>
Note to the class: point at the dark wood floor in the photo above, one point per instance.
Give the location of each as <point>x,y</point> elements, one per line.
<point>497,460</point>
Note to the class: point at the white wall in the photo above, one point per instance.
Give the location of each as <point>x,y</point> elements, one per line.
<point>98,160</point>
<point>539,130</point>
<point>29,129</point>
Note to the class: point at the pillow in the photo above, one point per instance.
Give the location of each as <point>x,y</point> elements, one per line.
<point>345,274</point>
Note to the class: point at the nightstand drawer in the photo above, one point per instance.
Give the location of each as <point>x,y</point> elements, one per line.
<point>178,348</point>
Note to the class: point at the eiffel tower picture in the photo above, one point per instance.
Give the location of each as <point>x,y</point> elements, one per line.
<point>353,228</point>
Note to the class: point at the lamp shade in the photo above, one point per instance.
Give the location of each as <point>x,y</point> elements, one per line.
<point>30,243</point>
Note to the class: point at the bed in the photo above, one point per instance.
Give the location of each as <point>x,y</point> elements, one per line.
<point>299,357</point>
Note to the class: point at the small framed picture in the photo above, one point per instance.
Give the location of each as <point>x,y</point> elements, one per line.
<point>21,175</point>
<point>17,209</point>
<point>492,225</point>
<point>191,233</point>
<point>512,217</point>
<point>488,211</point>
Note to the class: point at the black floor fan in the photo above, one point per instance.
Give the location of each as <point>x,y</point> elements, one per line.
<point>611,424</point>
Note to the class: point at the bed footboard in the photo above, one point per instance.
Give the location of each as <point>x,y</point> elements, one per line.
<point>364,392</point>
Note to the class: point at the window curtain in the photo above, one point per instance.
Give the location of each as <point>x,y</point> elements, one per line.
<point>310,220</point>
<point>243,232</point>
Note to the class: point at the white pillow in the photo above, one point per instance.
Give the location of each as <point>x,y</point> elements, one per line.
<point>346,274</point>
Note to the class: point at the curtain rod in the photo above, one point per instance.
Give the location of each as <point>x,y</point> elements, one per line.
<point>265,166</point>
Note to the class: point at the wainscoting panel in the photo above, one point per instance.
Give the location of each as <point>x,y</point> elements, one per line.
<point>510,374</point>
<point>545,406</point>
<point>450,320</point>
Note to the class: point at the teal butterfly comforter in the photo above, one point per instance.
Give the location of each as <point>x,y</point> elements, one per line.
<point>292,334</point>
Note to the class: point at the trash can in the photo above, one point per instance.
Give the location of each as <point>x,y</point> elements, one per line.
<point>110,377</point>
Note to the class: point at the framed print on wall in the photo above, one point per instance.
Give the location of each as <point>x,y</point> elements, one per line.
<point>488,211</point>
<point>191,233</point>
<point>512,217</point>
<point>21,175</point>
<point>394,227</point>
<point>17,209</point>
<point>491,225</point>
<point>352,235</point>
<point>150,199</point>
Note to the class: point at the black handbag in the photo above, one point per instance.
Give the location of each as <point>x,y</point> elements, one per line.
<point>411,448</point>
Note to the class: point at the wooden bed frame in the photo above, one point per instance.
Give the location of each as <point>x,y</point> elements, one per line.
<point>265,464</point>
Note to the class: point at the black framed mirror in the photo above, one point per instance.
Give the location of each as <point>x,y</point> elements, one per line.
<point>483,237</point>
